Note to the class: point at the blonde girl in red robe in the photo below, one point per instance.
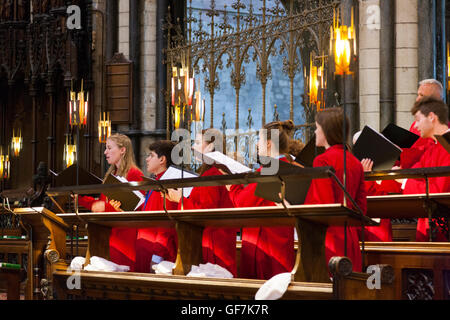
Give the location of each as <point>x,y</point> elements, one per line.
<point>119,155</point>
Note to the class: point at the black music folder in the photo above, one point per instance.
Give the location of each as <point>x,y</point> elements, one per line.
<point>68,177</point>
<point>444,140</point>
<point>296,188</point>
<point>400,136</point>
<point>130,200</point>
<point>373,145</point>
<point>309,152</point>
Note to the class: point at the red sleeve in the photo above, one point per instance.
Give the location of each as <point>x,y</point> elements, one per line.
<point>410,156</point>
<point>204,197</point>
<point>433,157</point>
<point>386,187</point>
<point>245,196</point>
<point>86,201</point>
<point>372,188</point>
<point>134,174</point>
<point>321,190</point>
<point>361,196</point>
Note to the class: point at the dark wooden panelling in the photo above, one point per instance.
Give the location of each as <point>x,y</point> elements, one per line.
<point>119,89</point>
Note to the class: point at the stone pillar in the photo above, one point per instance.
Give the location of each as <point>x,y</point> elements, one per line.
<point>124,23</point>
<point>387,63</point>
<point>369,63</point>
<point>148,76</point>
<point>427,49</point>
<point>351,82</point>
<point>406,61</point>
<point>100,24</point>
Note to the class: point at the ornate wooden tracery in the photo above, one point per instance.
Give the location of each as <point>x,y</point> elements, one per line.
<point>39,57</point>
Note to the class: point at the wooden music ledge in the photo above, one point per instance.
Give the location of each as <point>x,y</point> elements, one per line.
<point>311,222</point>
<point>408,206</point>
<point>48,238</point>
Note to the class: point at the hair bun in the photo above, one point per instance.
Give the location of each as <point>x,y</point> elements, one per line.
<point>288,126</point>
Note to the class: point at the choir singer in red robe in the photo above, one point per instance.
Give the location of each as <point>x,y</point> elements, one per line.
<point>329,134</point>
<point>266,251</point>
<point>119,155</point>
<point>431,118</point>
<point>218,244</point>
<point>160,243</point>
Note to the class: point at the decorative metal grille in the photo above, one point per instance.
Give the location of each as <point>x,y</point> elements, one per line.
<point>207,43</point>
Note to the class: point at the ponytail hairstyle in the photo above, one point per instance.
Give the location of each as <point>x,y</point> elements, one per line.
<point>212,135</point>
<point>127,161</point>
<point>286,131</point>
<point>331,120</point>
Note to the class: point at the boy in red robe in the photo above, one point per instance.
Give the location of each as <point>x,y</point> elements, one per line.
<point>431,118</point>
<point>427,88</point>
<point>160,243</point>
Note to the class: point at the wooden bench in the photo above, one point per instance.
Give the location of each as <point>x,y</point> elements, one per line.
<point>347,285</point>
<point>13,279</point>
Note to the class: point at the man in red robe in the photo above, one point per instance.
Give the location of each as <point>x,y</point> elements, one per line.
<point>431,118</point>
<point>409,156</point>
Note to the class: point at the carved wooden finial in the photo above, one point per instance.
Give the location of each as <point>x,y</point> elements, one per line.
<point>340,266</point>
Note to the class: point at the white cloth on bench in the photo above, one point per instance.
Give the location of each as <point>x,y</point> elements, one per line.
<point>97,264</point>
<point>274,288</point>
<point>164,267</point>
<point>209,270</point>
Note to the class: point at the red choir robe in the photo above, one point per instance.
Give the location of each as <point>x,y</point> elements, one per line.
<point>159,241</point>
<point>218,244</point>
<point>265,251</point>
<point>324,191</point>
<point>410,156</point>
<point>435,156</point>
<point>122,240</point>
<point>383,232</point>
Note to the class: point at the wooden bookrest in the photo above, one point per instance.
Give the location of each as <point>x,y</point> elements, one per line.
<point>311,222</point>
<point>407,206</point>
<point>48,235</point>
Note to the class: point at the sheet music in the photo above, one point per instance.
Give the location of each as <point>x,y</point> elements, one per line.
<point>175,173</point>
<point>230,163</point>
<point>136,192</point>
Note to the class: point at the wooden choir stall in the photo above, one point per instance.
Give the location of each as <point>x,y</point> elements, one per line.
<point>311,275</point>
<point>403,265</point>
